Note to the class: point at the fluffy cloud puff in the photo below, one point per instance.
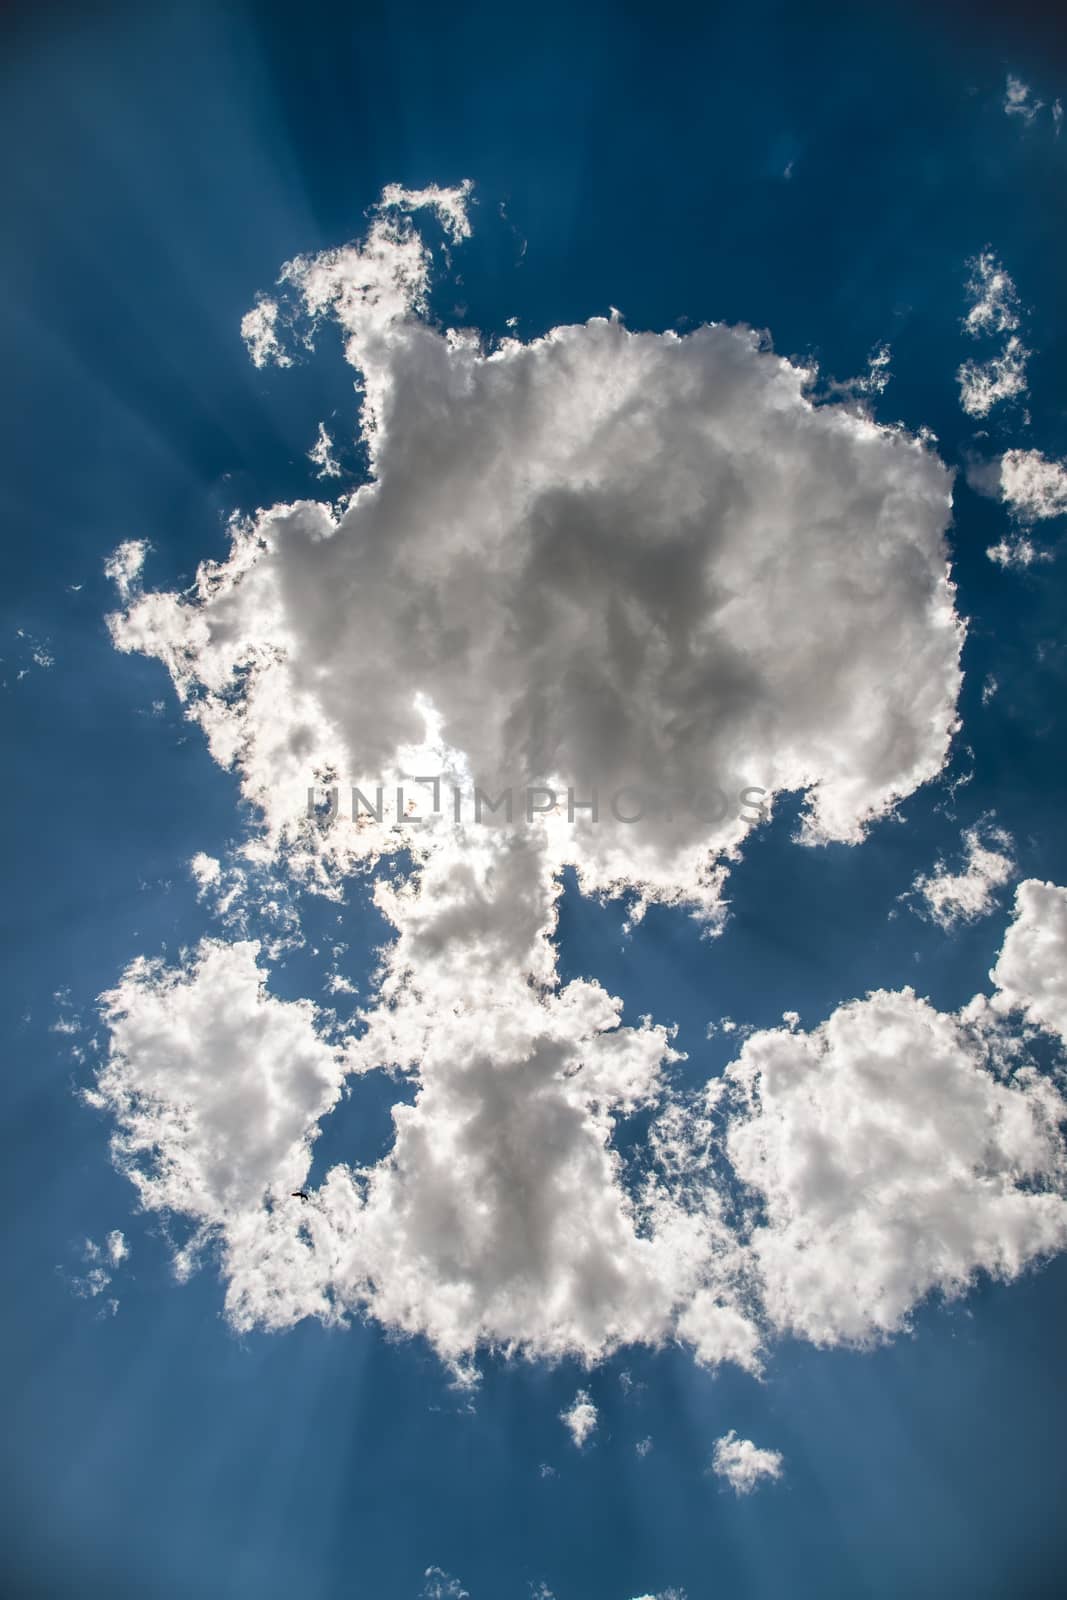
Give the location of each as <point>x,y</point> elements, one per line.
<point>1031,972</point>
<point>892,1153</point>
<point>949,898</point>
<point>217,1086</point>
<point>580,1419</point>
<point>744,1465</point>
<point>1033,486</point>
<point>994,309</point>
<point>590,561</point>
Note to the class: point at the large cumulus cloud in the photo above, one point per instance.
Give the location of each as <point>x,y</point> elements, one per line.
<point>595,560</point>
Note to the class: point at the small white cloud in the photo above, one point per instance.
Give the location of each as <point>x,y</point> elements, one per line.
<point>450,205</point>
<point>878,369</point>
<point>1019,101</point>
<point>259,330</point>
<point>439,1586</point>
<point>321,455</point>
<point>99,1259</point>
<point>1033,486</point>
<point>124,567</point>
<point>744,1465</point>
<point>1057,115</point>
<point>1016,551</point>
<point>983,384</point>
<point>643,1446</point>
<point>205,869</point>
<point>40,654</point>
<point>994,310</point>
<point>545,1471</point>
<point>1031,970</point>
<point>994,297</point>
<point>580,1420</point>
<point>989,689</point>
<point>953,898</point>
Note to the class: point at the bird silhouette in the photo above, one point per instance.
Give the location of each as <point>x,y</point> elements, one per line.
<point>300,1194</point>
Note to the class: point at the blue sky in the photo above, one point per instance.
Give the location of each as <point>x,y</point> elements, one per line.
<point>822,174</point>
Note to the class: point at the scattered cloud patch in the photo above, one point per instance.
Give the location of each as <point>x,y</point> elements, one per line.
<point>744,1465</point>
<point>321,455</point>
<point>994,297</point>
<point>101,1262</point>
<point>439,1586</point>
<point>259,330</point>
<point>1031,970</point>
<point>984,384</point>
<point>994,311</point>
<point>581,1418</point>
<point>952,898</point>
<point>1032,486</point>
<point>450,205</point>
<point>892,1157</point>
<point>124,567</point>
<point>1016,550</point>
<point>1019,100</point>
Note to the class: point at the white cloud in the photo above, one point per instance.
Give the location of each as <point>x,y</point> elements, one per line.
<point>580,1420</point>
<point>984,384</point>
<point>1016,551</point>
<point>450,205</point>
<point>744,1465</point>
<point>655,519</point>
<point>593,559</point>
<point>1019,101</point>
<point>952,898</point>
<point>124,567</point>
<point>102,1261</point>
<point>894,1151</point>
<point>994,297</point>
<point>643,1447</point>
<point>994,310</point>
<point>259,330</point>
<point>217,1087</point>
<point>245,890</point>
<point>207,870</point>
<point>321,455</point>
<point>874,381</point>
<point>892,1156</point>
<point>1031,971</point>
<point>1033,486</point>
<point>439,1586</point>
